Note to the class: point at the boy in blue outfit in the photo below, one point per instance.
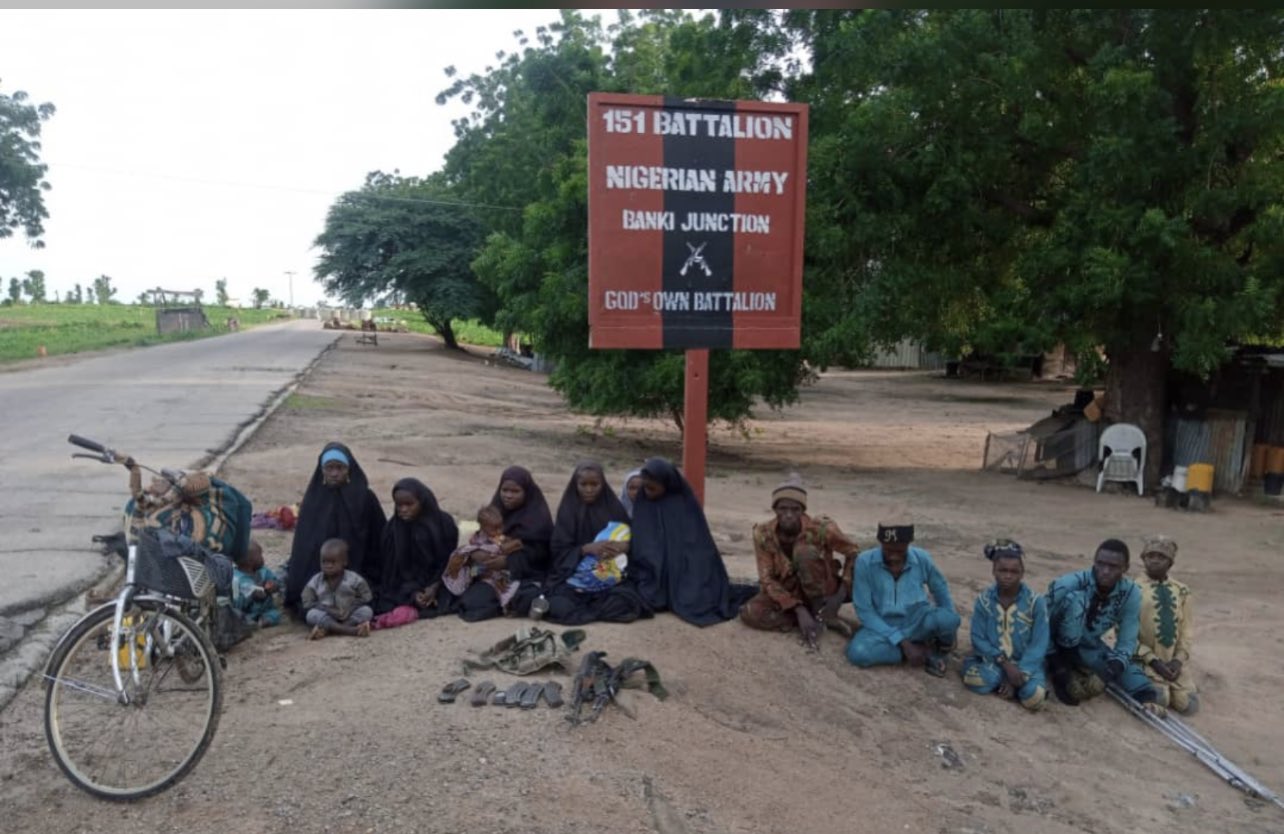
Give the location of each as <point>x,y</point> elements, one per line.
<point>1009,633</point>
<point>1083,607</point>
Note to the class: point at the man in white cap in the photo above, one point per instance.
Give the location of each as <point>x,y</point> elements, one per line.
<point>1163,642</point>
<point>802,583</point>
<point>903,603</point>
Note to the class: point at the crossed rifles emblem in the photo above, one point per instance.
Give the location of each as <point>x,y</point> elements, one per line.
<point>696,258</point>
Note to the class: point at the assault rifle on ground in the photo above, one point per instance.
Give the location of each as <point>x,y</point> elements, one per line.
<point>597,682</point>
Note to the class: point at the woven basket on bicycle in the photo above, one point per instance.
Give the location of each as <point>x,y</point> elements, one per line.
<point>159,568</point>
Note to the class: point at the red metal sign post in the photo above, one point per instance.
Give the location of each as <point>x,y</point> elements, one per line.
<point>695,233</point>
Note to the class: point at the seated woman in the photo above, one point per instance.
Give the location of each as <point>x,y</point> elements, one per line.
<point>1009,633</point>
<point>675,563</point>
<point>338,504</point>
<point>416,542</point>
<point>585,583</point>
<point>528,526</point>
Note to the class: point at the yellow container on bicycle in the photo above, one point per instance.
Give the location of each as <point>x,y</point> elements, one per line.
<point>128,621</point>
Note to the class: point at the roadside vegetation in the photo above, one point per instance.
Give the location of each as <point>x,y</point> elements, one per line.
<point>74,328</point>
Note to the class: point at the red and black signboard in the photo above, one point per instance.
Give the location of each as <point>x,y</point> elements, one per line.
<point>695,222</point>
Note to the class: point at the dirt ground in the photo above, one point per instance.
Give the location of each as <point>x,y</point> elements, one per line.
<point>757,736</point>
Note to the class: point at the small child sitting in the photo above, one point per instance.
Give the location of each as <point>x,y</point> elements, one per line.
<point>337,600</point>
<point>593,574</point>
<point>255,589</point>
<point>464,566</point>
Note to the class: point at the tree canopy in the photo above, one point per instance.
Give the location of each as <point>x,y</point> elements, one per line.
<point>524,146</point>
<point>994,180</point>
<point>22,174</point>
<point>408,239</point>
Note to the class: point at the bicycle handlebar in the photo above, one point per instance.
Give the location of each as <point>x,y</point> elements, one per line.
<point>101,452</point>
<point>86,443</point>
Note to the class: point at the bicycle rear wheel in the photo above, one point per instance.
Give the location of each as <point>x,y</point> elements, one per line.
<point>129,751</point>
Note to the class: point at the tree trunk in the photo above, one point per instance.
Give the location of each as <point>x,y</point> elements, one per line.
<point>446,332</point>
<point>1137,393</point>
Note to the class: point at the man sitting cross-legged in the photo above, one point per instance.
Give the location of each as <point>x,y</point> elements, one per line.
<point>802,583</point>
<point>891,597</point>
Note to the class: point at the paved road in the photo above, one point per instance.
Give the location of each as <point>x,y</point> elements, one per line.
<point>169,405</point>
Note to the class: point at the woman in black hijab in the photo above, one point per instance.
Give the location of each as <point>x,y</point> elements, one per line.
<point>673,558</point>
<point>338,504</point>
<point>528,526</point>
<point>588,506</point>
<point>417,542</point>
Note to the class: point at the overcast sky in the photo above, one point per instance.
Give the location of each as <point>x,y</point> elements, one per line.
<point>190,146</point>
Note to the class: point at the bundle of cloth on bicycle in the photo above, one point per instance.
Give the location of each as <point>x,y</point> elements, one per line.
<point>619,557</point>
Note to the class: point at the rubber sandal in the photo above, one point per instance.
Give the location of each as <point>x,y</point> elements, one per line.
<point>553,694</point>
<point>530,698</point>
<point>513,697</point>
<point>450,690</point>
<point>482,693</point>
<point>935,666</point>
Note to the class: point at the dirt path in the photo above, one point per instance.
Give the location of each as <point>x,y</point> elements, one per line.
<point>758,736</point>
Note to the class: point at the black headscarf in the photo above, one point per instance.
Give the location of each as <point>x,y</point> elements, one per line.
<point>531,522</point>
<point>350,512</point>
<point>412,554</point>
<point>579,523</point>
<point>673,558</point>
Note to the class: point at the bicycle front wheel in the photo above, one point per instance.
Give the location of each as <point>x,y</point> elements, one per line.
<point>124,748</point>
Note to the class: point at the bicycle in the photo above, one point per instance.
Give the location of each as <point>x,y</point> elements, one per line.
<point>133,690</point>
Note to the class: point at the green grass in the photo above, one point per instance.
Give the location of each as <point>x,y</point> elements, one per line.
<point>470,332</point>
<point>305,402</point>
<point>73,328</point>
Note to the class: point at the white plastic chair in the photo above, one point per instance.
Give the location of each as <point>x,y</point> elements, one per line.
<point>1122,452</point>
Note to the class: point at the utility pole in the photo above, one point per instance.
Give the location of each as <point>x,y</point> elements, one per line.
<point>290,272</point>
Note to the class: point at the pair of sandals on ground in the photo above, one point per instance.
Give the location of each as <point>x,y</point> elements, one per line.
<point>522,694</point>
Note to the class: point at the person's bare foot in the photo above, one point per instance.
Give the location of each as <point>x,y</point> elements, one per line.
<point>317,633</point>
<point>363,630</point>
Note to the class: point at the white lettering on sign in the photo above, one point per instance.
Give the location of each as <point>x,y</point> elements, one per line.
<point>701,302</point>
<point>619,120</point>
<point>660,178</point>
<point>710,221</point>
<point>646,221</point>
<point>738,302</point>
<point>754,182</point>
<point>721,125</point>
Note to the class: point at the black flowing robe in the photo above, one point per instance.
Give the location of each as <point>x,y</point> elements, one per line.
<point>673,557</point>
<point>351,512</point>
<point>532,523</point>
<point>413,554</point>
<point>577,525</point>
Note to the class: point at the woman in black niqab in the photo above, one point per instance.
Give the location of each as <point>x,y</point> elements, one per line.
<point>578,524</point>
<point>413,553</point>
<point>528,526</point>
<point>348,510</point>
<point>673,557</point>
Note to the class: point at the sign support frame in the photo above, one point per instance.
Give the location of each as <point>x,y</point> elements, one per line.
<point>695,419</point>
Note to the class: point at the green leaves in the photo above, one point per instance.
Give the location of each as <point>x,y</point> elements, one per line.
<point>524,145</point>
<point>1028,176</point>
<point>22,174</point>
<point>407,239</point>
